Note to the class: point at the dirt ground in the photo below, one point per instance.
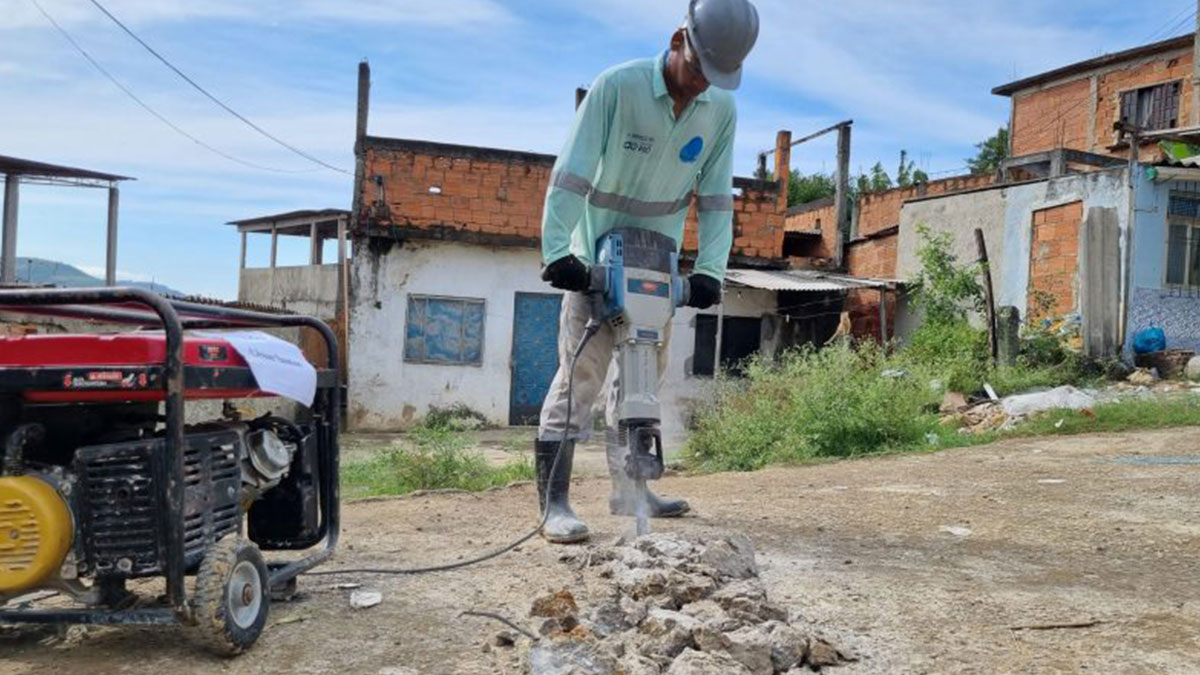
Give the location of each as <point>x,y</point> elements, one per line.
<point>955,562</point>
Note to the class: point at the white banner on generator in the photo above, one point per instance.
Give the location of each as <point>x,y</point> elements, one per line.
<point>278,366</point>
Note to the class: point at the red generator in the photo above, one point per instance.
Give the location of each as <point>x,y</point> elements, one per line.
<point>103,482</point>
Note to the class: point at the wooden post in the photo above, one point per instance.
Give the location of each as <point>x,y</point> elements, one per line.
<point>842,195</point>
<point>110,258</point>
<point>883,319</point>
<point>988,298</point>
<point>8,258</point>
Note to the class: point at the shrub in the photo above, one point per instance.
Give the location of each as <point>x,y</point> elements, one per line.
<point>842,401</point>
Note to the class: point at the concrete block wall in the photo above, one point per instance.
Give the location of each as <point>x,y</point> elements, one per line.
<point>1054,260</point>
<point>495,196</point>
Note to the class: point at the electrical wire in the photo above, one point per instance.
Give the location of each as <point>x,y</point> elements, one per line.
<point>145,106</point>
<point>1064,112</point>
<point>1171,22</point>
<point>213,98</point>
<point>589,330</point>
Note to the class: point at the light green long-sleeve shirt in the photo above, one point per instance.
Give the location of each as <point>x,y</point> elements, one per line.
<point>630,162</point>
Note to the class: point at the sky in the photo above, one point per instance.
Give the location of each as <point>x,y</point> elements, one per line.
<point>915,75</point>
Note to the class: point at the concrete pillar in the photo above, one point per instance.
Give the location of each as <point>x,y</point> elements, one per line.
<point>314,241</point>
<point>783,168</point>
<point>110,258</point>
<point>274,244</point>
<point>242,265</point>
<point>1008,335</point>
<point>8,247</point>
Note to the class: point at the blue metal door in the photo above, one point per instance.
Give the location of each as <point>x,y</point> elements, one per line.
<point>534,354</point>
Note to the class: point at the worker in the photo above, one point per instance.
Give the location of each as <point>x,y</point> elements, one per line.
<point>648,136</point>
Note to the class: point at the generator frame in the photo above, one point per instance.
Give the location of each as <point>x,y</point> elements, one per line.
<point>142,308</point>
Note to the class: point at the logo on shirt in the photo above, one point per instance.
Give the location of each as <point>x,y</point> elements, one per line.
<point>691,152</point>
<point>639,143</point>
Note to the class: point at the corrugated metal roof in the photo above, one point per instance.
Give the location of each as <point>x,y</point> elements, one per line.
<point>805,281</point>
<point>1191,162</point>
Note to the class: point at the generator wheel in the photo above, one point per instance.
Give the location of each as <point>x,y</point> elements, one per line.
<point>231,600</point>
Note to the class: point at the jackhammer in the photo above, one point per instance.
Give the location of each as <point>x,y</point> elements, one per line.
<point>635,288</point>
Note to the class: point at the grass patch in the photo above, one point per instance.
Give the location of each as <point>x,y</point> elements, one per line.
<point>429,458</point>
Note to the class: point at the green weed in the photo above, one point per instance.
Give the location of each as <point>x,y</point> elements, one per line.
<point>430,458</point>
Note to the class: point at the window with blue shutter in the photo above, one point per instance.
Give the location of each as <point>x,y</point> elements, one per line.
<point>446,331</point>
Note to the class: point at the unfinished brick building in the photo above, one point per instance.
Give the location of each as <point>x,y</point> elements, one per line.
<point>1060,117</point>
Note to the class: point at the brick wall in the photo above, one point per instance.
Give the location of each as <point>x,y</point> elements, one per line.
<point>1063,115</point>
<point>496,196</point>
<point>881,210</point>
<point>876,212</point>
<point>871,258</point>
<point>1054,260</point>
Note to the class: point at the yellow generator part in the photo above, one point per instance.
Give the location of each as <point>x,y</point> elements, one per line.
<point>35,533</point>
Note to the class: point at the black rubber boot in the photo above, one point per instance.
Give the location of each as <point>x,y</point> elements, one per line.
<point>622,501</point>
<point>562,525</point>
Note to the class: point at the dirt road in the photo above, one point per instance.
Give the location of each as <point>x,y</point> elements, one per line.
<point>959,561</point>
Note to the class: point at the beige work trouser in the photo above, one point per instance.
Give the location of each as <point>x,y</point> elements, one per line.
<point>591,374</point>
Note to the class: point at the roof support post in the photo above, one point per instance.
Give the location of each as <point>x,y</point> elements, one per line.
<point>274,243</point>
<point>242,264</point>
<point>314,241</point>
<point>8,259</point>
<point>110,258</point>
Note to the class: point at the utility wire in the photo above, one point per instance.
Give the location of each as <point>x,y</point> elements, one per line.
<point>1170,22</point>
<point>96,64</point>
<point>213,98</point>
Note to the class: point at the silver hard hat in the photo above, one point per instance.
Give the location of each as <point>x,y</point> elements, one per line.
<point>722,33</point>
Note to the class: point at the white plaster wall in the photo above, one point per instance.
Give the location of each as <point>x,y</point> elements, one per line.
<point>388,393</point>
<point>957,215</point>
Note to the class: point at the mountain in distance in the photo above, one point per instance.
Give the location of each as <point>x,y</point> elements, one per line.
<point>44,272</point>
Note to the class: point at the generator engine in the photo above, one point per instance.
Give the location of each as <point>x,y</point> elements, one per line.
<point>81,485</point>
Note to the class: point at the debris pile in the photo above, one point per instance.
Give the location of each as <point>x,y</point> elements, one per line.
<point>673,605</point>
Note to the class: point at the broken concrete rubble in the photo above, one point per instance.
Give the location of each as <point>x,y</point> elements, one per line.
<point>673,605</point>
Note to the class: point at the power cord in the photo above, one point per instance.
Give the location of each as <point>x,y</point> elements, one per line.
<point>588,331</point>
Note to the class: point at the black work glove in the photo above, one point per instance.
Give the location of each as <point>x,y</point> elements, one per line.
<point>703,291</point>
<point>568,274</point>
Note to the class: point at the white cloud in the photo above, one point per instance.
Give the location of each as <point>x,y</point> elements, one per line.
<point>21,14</point>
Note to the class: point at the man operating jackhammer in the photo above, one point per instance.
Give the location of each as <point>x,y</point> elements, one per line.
<point>649,136</point>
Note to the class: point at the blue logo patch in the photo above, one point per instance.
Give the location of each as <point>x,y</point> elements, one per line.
<point>691,151</point>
